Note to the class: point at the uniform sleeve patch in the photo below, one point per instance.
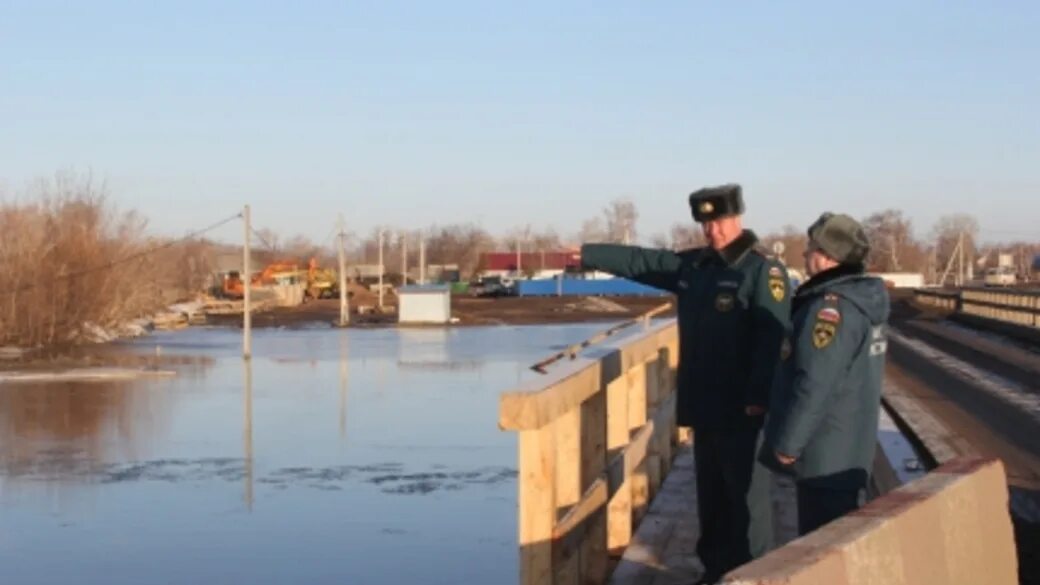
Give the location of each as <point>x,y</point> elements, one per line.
<point>776,272</point>
<point>823,334</point>
<point>829,315</point>
<point>777,288</point>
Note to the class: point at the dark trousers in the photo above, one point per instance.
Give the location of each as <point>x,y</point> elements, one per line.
<point>818,506</point>
<point>732,499</point>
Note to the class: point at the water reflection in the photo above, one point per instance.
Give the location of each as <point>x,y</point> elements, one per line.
<point>238,460</point>
<point>247,430</point>
<point>343,385</point>
<point>60,426</point>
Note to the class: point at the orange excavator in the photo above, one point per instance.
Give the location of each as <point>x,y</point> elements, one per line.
<point>320,283</point>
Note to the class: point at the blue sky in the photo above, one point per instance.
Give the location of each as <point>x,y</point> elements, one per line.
<point>537,112</point>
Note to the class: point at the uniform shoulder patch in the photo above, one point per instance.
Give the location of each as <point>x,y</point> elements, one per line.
<point>829,315</point>
<point>774,271</point>
<point>828,319</point>
<point>823,334</point>
<point>777,287</point>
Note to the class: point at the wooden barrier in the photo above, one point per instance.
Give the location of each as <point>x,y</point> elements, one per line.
<point>1017,307</point>
<point>596,438</point>
<point>951,527</point>
<point>943,299</point>
<point>1009,306</point>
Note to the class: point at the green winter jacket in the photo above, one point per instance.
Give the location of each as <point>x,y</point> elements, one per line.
<point>733,308</point>
<point>828,391</point>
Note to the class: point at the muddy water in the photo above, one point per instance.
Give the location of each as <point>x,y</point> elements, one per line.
<point>361,456</point>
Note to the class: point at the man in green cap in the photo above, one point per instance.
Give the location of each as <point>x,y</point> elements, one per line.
<point>824,419</point>
<point>733,308</point>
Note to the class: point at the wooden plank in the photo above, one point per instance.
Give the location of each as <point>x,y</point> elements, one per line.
<point>594,499</point>
<point>567,434</point>
<point>537,505</point>
<point>525,410</point>
<point>653,471</point>
<point>567,429</point>
<point>619,510</point>
<point>637,416</point>
<point>566,567</point>
<point>637,399</point>
<point>594,563</point>
<point>640,489</point>
<point>542,400</point>
<point>654,380</point>
<point>661,531</point>
<point>605,489</point>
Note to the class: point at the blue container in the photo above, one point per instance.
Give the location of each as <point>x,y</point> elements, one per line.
<point>581,287</point>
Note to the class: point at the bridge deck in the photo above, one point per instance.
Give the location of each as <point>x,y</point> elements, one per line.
<point>663,552</point>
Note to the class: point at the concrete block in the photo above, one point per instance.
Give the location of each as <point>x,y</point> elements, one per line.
<point>951,527</point>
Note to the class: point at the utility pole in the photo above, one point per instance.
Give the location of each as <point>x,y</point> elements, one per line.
<point>404,258</point>
<point>380,269</point>
<point>519,268</point>
<point>960,258</point>
<point>247,316</point>
<point>344,306</point>
<point>422,259</point>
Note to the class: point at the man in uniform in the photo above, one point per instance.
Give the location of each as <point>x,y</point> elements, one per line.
<point>733,308</point>
<point>824,419</point>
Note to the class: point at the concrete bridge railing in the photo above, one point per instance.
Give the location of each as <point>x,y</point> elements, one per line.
<point>950,527</point>
<point>596,438</point>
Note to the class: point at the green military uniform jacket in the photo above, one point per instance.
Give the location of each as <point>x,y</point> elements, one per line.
<point>733,308</point>
<point>828,392</point>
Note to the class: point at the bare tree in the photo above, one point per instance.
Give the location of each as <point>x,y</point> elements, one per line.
<point>68,259</point>
<point>660,240</point>
<point>620,218</point>
<point>268,243</point>
<point>685,236</point>
<point>892,244</point>
<point>955,235</point>
<point>458,244</point>
<point>547,239</point>
<point>592,230</point>
<point>518,237</point>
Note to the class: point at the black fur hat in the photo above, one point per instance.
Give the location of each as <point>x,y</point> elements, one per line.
<point>714,202</point>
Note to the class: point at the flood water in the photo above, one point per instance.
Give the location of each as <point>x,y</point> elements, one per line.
<point>355,456</point>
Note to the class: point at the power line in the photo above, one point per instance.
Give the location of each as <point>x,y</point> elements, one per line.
<point>126,259</point>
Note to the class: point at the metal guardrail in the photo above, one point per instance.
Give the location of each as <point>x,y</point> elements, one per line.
<point>572,351</point>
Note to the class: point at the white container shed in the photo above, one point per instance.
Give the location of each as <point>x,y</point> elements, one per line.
<point>424,304</point>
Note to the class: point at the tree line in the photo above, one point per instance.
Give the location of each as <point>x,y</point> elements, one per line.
<point>70,259</point>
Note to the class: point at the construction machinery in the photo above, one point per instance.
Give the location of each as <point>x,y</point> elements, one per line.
<point>320,283</point>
